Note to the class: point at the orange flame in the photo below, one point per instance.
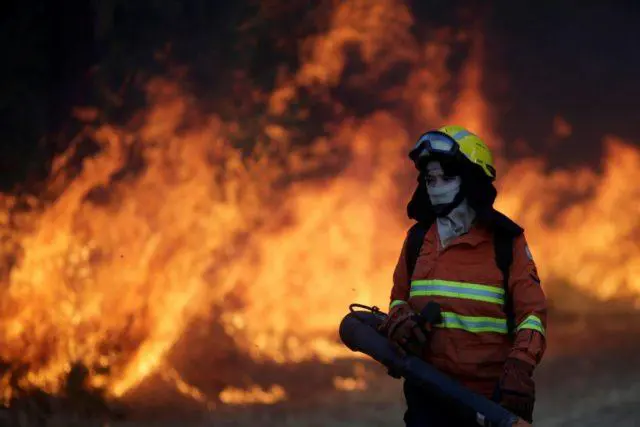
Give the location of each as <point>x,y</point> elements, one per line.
<point>187,389</point>
<point>235,396</point>
<point>592,241</point>
<point>117,267</point>
<point>354,383</point>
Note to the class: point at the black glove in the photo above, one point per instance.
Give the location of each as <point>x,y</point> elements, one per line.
<point>517,389</point>
<point>404,332</point>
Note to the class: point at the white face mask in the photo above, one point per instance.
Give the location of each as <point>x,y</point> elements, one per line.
<point>458,221</point>
<point>445,193</point>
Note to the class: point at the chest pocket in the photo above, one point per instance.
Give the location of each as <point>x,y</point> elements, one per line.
<point>425,264</point>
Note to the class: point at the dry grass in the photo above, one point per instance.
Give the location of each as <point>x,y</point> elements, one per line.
<point>593,381</point>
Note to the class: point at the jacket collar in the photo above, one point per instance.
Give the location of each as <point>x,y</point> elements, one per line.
<point>476,235</point>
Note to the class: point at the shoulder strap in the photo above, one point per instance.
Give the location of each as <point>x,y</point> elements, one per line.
<point>415,238</point>
<point>505,231</point>
<point>503,247</point>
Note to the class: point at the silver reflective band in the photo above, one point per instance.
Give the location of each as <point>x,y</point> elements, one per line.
<point>461,134</point>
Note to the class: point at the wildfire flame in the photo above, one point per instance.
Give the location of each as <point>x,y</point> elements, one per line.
<point>255,394</point>
<point>357,382</point>
<point>116,268</point>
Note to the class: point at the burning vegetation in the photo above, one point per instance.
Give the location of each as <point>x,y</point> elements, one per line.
<point>186,247</point>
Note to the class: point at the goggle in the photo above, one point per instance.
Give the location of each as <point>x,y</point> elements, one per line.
<point>433,143</point>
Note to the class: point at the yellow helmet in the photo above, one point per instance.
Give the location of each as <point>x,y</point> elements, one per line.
<point>451,140</point>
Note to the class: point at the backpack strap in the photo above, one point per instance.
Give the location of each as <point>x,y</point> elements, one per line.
<point>504,233</point>
<point>503,247</point>
<point>415,238</point>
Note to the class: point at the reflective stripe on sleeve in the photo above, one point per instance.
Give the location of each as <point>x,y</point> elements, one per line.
<point>396,303</point>
<point>532,322</point>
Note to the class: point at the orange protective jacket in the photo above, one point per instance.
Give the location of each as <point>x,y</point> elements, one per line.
<point>472,344</point>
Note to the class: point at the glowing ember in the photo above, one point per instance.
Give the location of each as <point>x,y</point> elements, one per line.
<point>172,376</point>
<point>356,383</point>
<point>349,383</point>
<point>561,128</point>
<point>235,396</point>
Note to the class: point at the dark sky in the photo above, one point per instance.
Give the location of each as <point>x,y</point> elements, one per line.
<point>576,59</point>
<point>543,58</point>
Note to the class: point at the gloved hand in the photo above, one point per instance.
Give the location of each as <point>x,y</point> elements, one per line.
<point>404,332</point>
<point>517,389</point>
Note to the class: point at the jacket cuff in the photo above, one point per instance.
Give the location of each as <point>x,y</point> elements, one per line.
<point>529,346</point>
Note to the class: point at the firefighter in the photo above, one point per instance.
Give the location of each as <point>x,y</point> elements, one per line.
<point>492,333</point>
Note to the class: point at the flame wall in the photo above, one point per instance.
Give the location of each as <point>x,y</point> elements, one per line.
<point>274,240</point>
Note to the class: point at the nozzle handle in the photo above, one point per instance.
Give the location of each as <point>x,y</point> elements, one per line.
<point>431,314</point>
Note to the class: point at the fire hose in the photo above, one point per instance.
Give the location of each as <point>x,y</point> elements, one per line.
<point>359,331</point>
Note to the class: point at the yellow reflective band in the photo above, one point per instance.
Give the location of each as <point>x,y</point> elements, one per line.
<point>532,322</point>
<point>446,288</point>
<point>396,303</point>
<point>473,324</point>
